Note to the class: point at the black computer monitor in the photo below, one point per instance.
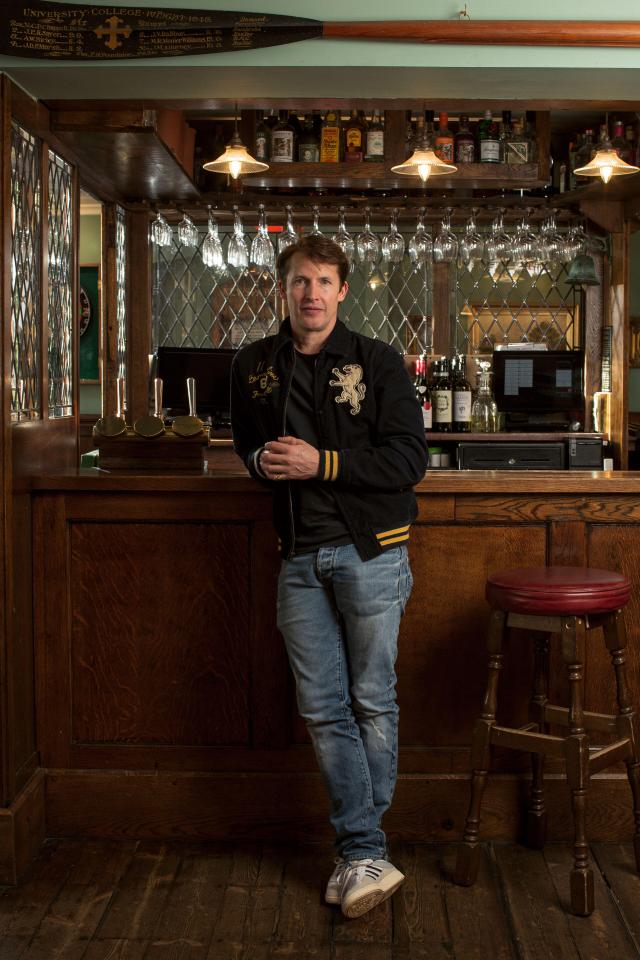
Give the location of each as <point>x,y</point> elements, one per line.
<point>211,370</point>
<point>539,384</point>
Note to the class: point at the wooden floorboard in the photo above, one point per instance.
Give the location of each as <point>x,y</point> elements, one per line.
<point>105,900</point>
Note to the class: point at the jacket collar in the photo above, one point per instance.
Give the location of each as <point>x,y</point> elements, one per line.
<point>338,342</point>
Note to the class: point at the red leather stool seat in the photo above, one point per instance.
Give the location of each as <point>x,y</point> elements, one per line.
<point>557,590</point>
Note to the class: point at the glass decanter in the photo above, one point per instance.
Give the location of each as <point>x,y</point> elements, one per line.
<point>484,412</point>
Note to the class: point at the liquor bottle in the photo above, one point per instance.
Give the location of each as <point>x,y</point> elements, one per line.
<point>584,154</point>
<point>423,392</point>
<point>282,138</point>
<point>461,396</point>
<point>515,143</point>
<point>488,139</point>
<point>484,412</point>
<point>354,138</point>
<point>619,141</point>
<point>330,138</point>
<point>427,130</point>
<point>464,143</point>
<point>374,152</point>
<point>442,398</point>
<point>308,145</point>
<point>262,138</point>
<point>629,136</point>
<point>505,134</point>
<point>409,135</point>
<point>444,140</point>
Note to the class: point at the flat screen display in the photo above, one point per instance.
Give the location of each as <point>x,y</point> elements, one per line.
<point>211,370</point>
<point>538,381</point>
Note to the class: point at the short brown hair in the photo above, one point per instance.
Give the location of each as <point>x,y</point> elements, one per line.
<point>317,248</point>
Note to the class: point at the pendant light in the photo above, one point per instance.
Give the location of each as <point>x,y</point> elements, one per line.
<point>424,163</point>
<point>606,163</point>
<point>236,159</point>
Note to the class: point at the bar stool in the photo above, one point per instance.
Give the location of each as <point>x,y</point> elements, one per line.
<point>570,602</point>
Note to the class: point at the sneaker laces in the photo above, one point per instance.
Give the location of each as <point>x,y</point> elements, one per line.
<point>359,869</point>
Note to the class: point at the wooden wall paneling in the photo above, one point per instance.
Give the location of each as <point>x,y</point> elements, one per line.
<point>5,425</point>
<point>615,547</point>
<point>593,302</point>
<point>52,630</point>
<point>617,318</point>
<point>271,687</point>
<point>159,633</point>
<point>139,310</point>
<point>441,309</point>
<point>442,646</point>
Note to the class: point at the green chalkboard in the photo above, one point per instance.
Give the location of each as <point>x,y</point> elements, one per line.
<point>89,319</point>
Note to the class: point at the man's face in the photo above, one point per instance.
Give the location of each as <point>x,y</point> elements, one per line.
<point>313,292</point>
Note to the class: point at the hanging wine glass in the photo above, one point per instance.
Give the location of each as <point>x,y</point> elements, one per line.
<point>445,243</point>
<point>576,241</point>
<point>237,254</point>
<point>497,247</point>
<point>420,244</point>
<point>471,245</point>
<point>344,239</point>
<point>289,235</point>
<point>161,233</point>
<point>367,242</point>
<point>262,252</point>
<point>187,232</point>
<point>212,255</point>
<point>393,241</point>
<point>552,242</point>
<point>315,229</point>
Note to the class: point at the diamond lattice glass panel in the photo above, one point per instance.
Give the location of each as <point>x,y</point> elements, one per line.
<point>194,306</point>
<point>121,291</point>
<point>60,312</point>
<point>497,303</point>
<point>26,263</point>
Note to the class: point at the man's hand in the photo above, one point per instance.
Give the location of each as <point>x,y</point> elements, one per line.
<point>289,458</point>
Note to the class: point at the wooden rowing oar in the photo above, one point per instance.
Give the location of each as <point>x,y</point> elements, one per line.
<point>69,31</point>
<point>535,33</point>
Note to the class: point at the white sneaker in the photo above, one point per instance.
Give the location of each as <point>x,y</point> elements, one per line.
<point>334,883</point>
<point>366,883</point>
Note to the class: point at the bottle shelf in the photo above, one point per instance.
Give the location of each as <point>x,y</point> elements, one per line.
<point>437,439</point>
<point>379,176</point>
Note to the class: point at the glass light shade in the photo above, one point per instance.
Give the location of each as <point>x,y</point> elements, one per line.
<point>236,161</point>
<point>423,163</point>
<point>606,164</point>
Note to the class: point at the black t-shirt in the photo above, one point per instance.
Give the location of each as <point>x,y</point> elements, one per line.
<point>317,519</point>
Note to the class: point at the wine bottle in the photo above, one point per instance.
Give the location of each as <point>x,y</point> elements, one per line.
<point>461,396</point>
<point>423,392</point>
<point>442,398</point>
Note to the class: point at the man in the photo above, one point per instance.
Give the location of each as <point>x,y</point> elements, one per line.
<point>330,418</point>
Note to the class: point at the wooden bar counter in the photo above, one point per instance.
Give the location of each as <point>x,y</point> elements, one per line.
<point>164,704</point>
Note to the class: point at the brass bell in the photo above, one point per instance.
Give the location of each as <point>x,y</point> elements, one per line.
<point>582,272</point>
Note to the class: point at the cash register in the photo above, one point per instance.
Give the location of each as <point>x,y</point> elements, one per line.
<point>539,392</point>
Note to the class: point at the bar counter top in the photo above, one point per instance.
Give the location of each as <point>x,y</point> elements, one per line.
<point>230,477</point>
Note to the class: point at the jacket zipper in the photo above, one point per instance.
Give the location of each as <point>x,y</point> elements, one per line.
<point>284,433</point>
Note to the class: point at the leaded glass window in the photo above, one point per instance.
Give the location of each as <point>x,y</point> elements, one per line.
<point>26,267</point>
<point>60,287</point>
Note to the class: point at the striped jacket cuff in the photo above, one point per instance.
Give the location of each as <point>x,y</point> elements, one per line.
<point>255,462</point>
<point>396,535</point>
<point>329,465</point>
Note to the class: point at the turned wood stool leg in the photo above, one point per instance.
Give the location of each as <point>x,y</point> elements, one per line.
<point>468,859</point>
<point>615,636</point>
<point>536,829</point>
<point>577,759</point>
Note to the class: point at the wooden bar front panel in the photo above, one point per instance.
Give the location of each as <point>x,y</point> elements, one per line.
<point>165,705</point>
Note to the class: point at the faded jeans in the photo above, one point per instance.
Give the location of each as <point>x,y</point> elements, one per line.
<point>339,617</point>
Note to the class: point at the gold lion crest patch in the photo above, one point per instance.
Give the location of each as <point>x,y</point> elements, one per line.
<point>352,388</point>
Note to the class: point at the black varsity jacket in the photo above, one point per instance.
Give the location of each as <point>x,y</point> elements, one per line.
<point>369,425</point>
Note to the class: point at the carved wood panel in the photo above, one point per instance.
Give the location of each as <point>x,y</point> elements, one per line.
<point>160,633</point>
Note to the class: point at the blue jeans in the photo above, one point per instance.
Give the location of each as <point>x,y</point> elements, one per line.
<point>339,617</point>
